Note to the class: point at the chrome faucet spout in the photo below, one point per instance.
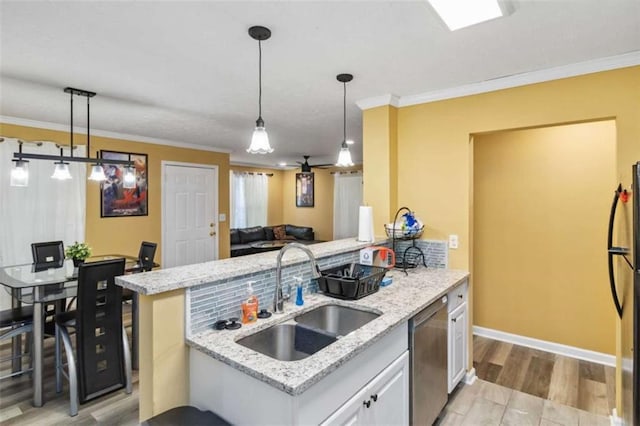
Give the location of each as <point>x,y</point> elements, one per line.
<point>278,297</point>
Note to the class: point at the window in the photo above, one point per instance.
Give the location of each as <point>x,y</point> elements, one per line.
<point>249,199</point>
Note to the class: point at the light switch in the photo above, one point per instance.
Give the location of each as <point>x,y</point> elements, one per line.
<point>453,241</point>
<point>222,217</point>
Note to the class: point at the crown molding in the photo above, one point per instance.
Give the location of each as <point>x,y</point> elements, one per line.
<point>103,133</point>
<point>376,101</point>
<point>572,70</point>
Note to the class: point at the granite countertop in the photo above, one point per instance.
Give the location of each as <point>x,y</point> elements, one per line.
<point>163,280</point>
<point>398,302</point>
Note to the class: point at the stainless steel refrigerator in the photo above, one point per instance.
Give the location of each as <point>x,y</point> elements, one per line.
<point>626,294</point>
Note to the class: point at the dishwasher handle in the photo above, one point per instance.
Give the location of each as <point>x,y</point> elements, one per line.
<point>428,312</point>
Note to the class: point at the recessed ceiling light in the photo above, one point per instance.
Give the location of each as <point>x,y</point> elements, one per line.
<point>458,14</point>
<point>350,142</point>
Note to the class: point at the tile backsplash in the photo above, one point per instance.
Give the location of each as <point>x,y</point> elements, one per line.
<point>207,303</point>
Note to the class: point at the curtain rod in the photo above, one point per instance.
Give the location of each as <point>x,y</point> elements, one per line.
<point>253,173</point>
<point>346,173</point>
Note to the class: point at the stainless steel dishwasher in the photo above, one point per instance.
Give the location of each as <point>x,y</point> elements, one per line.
<point>428,360</point>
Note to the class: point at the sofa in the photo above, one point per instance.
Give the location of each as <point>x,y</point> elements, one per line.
<point>259,239</point>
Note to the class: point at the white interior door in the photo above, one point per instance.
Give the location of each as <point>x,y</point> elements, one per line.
<point>190,209</point>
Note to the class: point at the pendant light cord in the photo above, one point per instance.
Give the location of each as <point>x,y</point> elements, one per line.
<point>344,114</point>
<point>71,132</point>
<point>259,79</point>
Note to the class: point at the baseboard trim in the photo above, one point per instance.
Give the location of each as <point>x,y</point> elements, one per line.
<point>543,345</point>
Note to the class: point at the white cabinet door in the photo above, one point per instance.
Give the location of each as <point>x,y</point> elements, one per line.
<point>389,395</point>
<point>383,401</point>
<point>352,412</point>
<point>457,345</point>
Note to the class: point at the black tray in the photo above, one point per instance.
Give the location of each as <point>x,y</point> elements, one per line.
<point>351,281</point>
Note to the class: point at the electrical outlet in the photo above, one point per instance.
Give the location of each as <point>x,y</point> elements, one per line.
<point>453,241</point>
<point>222,217</point>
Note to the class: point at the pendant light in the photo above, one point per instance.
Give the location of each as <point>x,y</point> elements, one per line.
<point>129,177</point>
<point>344,156</point>
<point>97,171</point>
<point>20,172</point>
<point>260,139</point>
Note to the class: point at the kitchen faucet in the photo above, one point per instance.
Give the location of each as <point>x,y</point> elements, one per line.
<point>278,298</point>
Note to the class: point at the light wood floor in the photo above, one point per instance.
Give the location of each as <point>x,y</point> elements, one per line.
<point>567,381</point>
<point>16,394</point>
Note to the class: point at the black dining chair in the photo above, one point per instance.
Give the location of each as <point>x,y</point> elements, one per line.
<point>16,322</point>
<point>101,362</point>
<point>145,263</point>
<point>49,254</point>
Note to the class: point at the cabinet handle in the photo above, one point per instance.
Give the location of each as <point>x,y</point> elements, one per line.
<point>453,319</point>
<point>367,403</point>
<point>374,397</point>
<point>460,296</point>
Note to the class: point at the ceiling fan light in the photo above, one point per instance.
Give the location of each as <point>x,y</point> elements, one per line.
<point>260,142</point>
<point>97,173</point>
<point>129,178</point>
<point>20,174</point>
<point>344,157</point>
<point>61,171</point>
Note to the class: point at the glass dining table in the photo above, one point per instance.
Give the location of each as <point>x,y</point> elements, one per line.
<point>39,284</point>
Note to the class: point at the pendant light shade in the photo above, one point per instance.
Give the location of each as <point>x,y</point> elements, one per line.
<point>260,138</point>
<point>20,173</point>
<point>129,178</point>
<point>61,171</point>
<point>344,156</point>
<point>97,173</point>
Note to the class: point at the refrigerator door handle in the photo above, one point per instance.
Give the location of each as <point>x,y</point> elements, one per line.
<point>611,251</point>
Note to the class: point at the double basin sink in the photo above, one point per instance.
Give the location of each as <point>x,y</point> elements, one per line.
<point>308,333</point>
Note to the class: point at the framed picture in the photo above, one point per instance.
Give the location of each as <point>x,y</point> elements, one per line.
<point>117,201</point>
<point>304,189</point>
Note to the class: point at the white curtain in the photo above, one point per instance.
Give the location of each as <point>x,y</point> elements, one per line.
<point>249,199</point>
<point>347,199</point>
<point>46,210</point>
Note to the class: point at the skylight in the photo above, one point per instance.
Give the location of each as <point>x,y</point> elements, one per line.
<point>458,14</point>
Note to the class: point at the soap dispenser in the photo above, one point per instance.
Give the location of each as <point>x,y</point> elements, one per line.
<point>250,305</point>
<point>299,300</point>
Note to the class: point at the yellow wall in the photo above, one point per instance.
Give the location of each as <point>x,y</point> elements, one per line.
<point>541,203</point>
<point>320,216</point>
<point>123,235</point>
<point>434,149</point>
<point>274,213</point>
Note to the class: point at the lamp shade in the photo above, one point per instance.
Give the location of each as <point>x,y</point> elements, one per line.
<point>344,157</point>
<point>61,171</point>
<point>20,174</point>
<point>97,173</point>
<point>129,178</point>
<point>260,142</point>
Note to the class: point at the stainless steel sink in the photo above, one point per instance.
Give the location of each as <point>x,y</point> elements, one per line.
<point>287,342</point>
<point>336,319</point>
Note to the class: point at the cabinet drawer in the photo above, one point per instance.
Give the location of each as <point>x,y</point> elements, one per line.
<point>457,296</point>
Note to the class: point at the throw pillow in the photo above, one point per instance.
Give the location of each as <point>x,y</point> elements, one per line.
<point>278,233</point>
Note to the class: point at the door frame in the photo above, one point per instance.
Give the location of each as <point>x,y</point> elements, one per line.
<point>164,164</point>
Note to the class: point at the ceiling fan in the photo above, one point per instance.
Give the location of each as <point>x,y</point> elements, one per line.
<point>306,167</point>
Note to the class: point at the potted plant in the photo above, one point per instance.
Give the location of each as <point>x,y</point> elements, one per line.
<point>78,252</point>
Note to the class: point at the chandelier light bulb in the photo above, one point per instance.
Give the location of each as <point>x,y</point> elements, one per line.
<point>129,178</point>
<point>20,174</point>
<point>97,173</point>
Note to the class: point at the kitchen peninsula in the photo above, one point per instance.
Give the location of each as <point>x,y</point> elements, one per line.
<point>212,291</point>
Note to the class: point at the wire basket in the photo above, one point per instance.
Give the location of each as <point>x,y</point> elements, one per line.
<point>403,234</point>
<point>351,281</point>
